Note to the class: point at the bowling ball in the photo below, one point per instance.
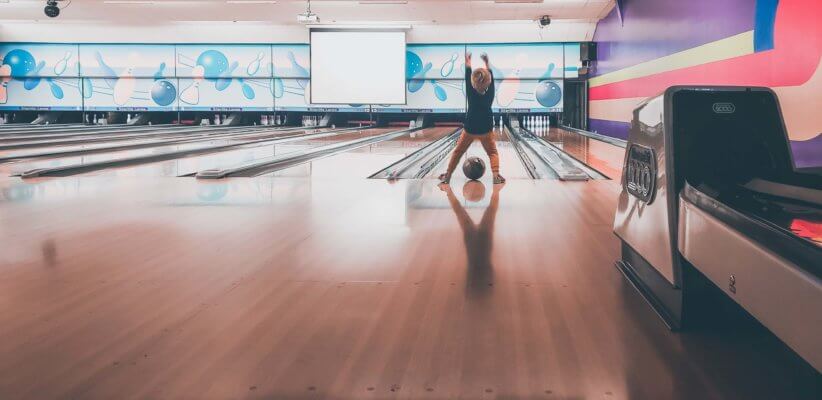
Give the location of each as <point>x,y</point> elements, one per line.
<point>473,167</point>
<point>548,93</point>
<point>213,62</point>
<point>163,92</point>
<point>20,61</point>
<point>413,64</point>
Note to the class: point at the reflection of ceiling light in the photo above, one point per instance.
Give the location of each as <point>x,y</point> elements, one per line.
<point>383,2</point>
<point>516,1</point>
<point>251,2</point>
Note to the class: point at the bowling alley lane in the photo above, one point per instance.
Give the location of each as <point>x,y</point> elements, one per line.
<point>166,291</point>
<point>604,157</point>
<point>363,162</point>
<point>26,165</point>
<point>190,165</point>
<point>35,141</point>
<point>510,165</point>
<point>193,134</point>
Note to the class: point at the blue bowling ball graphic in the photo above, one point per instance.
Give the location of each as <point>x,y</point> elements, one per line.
<point>548,93</point>
<point>20,61</point>
<point>413,64</point>
<point>213,62</point>
<point>163,92</point>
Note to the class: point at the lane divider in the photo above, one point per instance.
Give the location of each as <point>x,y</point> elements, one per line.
<point>275,163</point>
<point>193,138</point>
<point>75,169</point>
<point>426,157</point>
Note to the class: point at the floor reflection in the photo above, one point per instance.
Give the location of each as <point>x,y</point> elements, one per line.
<point>478,238</point>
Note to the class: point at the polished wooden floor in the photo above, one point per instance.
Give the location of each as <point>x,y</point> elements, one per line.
<point>301,288</point>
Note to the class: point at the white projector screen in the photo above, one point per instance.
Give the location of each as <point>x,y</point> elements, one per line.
<point>357,67</point>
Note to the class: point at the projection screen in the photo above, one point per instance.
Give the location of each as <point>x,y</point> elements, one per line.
<point>357,67</point>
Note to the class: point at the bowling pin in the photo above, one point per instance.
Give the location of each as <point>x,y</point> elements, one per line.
<point>509,88</point>
<point>191,94</point>
<point>254,66</point>
<point>61,65</point>
<point>216,119</point>
<point>300,71</point>
<point>124,88</point>
<point>95,119</point>
<point>448,67</point>
<point>128,118</point>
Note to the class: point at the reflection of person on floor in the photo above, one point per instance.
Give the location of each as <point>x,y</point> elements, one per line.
<point>479,124</point>
<point>479,238</point>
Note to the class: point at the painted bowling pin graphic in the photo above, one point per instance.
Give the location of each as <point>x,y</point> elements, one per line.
<point>298,70</point>
<point>159,74</point>
<point>56,90</point>
<point>225,78</point>
<point>191,94</point>
<point>248,91</point>
<point>441,94</point>
<point>124,88</point>
<point>31,83</point>
<point>254,66</point>
<point>509,87</point>
<point>5,77</point>
<point>448,67</point>
<point>416,81</point>
<point>126,83</point>
<point>61,65</point>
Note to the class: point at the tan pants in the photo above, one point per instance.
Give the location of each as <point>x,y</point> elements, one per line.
<point>489,143</point>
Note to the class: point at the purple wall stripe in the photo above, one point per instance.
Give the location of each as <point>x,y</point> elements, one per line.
<point>658,28</point>
<point>807,153</point>
<point>606,127</point>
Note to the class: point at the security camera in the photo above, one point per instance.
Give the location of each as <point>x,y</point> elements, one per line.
<point>544,21</point>
<point>51,10</point>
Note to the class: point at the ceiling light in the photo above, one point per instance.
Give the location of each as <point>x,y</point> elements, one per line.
<point>383,2</point>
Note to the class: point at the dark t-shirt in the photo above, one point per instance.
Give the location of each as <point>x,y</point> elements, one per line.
<point>478,118</point>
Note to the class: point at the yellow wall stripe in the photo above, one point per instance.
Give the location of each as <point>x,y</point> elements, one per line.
<point>734,46</point>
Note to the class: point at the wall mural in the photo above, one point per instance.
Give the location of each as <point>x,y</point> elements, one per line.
<point>198,77</point>
<point>39,76</point>
<point>742,42</point>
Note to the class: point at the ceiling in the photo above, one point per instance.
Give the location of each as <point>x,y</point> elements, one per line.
<point>284,12</point>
